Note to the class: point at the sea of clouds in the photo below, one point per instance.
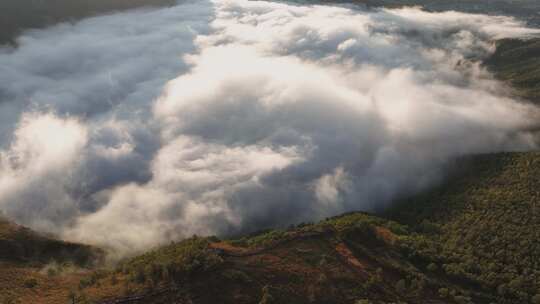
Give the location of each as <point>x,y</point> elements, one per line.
<point>226,116</point>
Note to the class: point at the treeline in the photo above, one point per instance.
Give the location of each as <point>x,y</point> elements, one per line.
<point>19,15</point>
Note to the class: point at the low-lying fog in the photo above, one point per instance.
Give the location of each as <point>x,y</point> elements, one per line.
<point>225,116</point>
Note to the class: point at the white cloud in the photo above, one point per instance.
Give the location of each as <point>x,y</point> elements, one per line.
<point>328,189</point>
<point>36,170</point>
<point>190,185</point>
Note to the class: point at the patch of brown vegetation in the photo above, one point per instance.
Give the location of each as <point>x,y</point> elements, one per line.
<point>28,285</point>
<point>385,234</point>
<point>348,256</point>
<point>228,248</point>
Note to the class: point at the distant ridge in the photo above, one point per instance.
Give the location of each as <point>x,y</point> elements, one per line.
<point>19,15</point>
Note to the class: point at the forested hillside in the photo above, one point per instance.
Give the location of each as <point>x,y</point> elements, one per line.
<point>518,63</point>
<point>483,226</point>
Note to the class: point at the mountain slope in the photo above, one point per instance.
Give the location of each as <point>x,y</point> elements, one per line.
<point>473,239</point>
<point>33,265</point>
<point>342,260</point>
<point>483,225</point>
<point>517,62</point>
<point>21,245</point>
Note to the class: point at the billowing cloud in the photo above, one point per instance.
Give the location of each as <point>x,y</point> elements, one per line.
<point>229,116</point>
<point>102,73</point>
<point>187,194</point>
<point>36,170</point>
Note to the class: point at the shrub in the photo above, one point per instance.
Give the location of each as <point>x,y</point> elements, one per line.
<point>443,293</point>
<point>30,283</point>
<point>432,267</point>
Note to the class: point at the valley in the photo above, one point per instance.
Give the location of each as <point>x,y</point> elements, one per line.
<point>472,238</point>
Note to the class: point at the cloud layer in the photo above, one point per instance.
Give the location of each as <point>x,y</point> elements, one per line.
<point>219,117</point>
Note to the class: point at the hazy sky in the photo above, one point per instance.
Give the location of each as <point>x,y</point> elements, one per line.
<point>216,117</point>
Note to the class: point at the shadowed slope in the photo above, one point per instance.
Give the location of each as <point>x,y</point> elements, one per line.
<point>518,63</point>
<point>482,226</point>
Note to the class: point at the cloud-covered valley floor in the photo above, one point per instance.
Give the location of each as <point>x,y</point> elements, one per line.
<point>219,117</point>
